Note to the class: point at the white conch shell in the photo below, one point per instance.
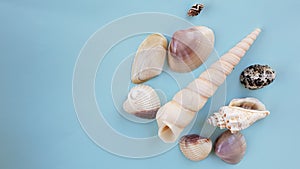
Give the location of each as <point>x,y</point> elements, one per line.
<point>149,59</point>
<point>142,101</point>
<point>175,115</point>
<point>190,48</point>
<point>239,115</point>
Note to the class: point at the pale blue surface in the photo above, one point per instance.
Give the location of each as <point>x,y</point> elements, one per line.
<point>39,45</point>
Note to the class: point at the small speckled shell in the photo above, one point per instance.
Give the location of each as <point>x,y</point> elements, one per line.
<point>195,147</point>
<point>195,10</point>
<point>257,76</point>
<point>142,101</point>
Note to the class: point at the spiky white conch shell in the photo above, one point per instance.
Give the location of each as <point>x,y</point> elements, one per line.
<point>149,59</point>
<point>142,101</point>
<point>172,124</point>
<point>236,118</point>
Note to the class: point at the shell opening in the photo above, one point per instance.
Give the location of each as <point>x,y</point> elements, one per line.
<point>169,132</point>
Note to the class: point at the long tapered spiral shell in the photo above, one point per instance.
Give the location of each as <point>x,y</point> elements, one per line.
<point>175,115</point>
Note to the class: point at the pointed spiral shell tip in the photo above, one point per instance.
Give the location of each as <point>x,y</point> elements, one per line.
<point>258,30</point>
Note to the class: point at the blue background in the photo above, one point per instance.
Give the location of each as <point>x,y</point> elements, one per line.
<point>39,45</point>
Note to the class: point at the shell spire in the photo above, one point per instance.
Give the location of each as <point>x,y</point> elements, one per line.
<point>175,115</point>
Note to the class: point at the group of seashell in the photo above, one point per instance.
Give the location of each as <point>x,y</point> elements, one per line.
<point>187,50</point>
<point>231,145</point>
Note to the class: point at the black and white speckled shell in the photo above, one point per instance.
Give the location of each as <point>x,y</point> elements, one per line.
<point>257,76</point>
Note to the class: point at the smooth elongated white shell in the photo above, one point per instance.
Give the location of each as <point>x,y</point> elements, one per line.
<point>190,48</point>
<point>170,127</point>
<point>142,101</point>
<point>239,115</point>
<point>149,59</point>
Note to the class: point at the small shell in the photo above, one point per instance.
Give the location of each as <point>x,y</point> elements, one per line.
<point>142,101</point>
<point>189,48</point>
<point>149,59</point>
<point>230,147</point>
<point>257,76</point>
<point>195,147</point>
<point>239,115</point>
<point>195,10</point>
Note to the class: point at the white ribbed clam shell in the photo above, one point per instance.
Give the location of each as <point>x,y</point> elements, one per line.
<point>142,101</point>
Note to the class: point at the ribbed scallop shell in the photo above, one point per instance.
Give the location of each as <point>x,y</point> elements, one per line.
<point>142,101</point>
<point>230,147</point>
<point>190,48</point>
<point>239,115</point>
<point>195,147</point>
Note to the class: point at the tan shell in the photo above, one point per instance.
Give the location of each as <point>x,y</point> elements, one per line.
<point>190,48</point>
<point>248,103</point>
<point>142,101</point>
<point>149,59</point>
<point>195,147</point>
<point>239,115</point>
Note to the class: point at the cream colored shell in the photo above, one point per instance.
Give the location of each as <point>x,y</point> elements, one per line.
<point>195,147</point>
<point>142,101</point>
<point>149,59</point>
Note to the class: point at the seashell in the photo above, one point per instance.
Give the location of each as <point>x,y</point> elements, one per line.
<point>175,115</point>
<point>149,59</point>
<point>257,76</point>
<point>195,147</point>
<point>230,147</point>
<point>189,48</point>
<point>142,101</point>
<point>239,115</point>
<point>195,9</point>
<point>248,103</point>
